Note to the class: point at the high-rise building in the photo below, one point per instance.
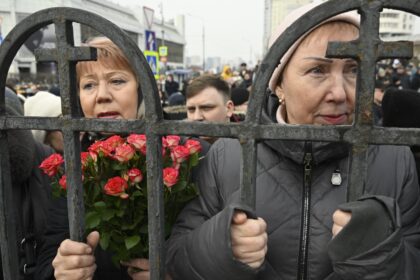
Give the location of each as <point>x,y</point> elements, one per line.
<point>392,22</point>
<point>396,23</point>
<point>275,11</point>
<point>130,19</point>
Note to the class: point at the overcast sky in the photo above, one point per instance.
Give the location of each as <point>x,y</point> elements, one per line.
<point>233,28</point>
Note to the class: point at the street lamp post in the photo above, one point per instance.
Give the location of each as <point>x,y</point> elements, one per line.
<point>163,34</point>
<point>203,39</point>
<point>204,46</point>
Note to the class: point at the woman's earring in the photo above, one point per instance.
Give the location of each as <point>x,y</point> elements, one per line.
<point>280,100</point>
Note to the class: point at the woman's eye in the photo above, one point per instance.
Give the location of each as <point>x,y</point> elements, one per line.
<point>316,70</point>
<point>88,86</point>
<point>118,81</point>
<point>352,69</point>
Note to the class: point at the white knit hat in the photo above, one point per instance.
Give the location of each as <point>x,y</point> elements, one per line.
<point>42,104</point>
<point>350,17</point>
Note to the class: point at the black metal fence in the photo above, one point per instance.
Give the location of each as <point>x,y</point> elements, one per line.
<point>367,50</point>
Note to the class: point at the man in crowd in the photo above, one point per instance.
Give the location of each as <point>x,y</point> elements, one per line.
<point>171,86</point>
<point>208,99</point>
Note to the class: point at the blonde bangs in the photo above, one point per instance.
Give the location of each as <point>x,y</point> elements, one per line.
<point>108,56</point>
<point>329,30</point>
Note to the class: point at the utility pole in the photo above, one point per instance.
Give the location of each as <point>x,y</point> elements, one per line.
<point>163,34</point>
<point>163,24</point>
<point>203,38</point>
<point>204,52</point>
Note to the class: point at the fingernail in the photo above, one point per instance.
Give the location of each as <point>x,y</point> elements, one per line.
<point>88,250</point>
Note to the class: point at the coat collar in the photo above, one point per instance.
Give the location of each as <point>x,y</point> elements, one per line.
<point>295,150</point>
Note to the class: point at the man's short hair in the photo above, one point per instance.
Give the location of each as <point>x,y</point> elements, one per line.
<point>208,81</point>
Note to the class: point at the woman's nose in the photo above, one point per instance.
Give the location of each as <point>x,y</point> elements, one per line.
<point>104,95</point>
<point>338,91</point>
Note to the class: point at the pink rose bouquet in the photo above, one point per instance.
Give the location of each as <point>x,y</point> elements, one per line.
<point>115,190</point>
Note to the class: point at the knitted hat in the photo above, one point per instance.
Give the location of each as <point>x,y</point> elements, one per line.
<point>239,96</point>
<point>350,17</point>
<point>42,104</point>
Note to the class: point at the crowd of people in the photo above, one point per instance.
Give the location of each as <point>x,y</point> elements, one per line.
<point>302,226</point>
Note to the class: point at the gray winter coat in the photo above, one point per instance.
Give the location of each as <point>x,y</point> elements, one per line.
<point>199,247</point>
<point>382,240</point>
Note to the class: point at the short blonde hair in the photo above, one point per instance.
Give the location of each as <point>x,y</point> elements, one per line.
<point>109,55</point>
<point>328,29</point>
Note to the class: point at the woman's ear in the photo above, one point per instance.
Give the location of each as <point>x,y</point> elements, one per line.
<point>279,91</point>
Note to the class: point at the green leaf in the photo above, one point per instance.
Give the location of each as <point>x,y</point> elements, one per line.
<point>92,219</point>
<point>131,241</point>
<point>194,159</point>
<point>118,166</point>
<point>99,205</point>
<point>144,229</point>
<point>136,193</point>
<point>108,214</point>
<point>180,186</point>
<point>120,213</point>
<point>104,241</point>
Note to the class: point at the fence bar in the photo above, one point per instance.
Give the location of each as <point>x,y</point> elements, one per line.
<point>367,50</point>
<point>248,177</point>
<point>76,209</point>
<point>155,206</point>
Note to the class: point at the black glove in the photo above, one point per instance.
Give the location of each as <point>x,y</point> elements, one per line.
<point>370,224</point>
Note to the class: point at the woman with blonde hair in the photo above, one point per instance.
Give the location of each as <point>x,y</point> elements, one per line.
<point>107,88</point>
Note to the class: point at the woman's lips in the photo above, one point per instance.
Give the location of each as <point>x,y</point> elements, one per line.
<point>109,115</point>
<point>335,119</point>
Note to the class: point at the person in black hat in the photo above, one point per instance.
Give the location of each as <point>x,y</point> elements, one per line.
<point>239,97</point>
<point>401,109</point>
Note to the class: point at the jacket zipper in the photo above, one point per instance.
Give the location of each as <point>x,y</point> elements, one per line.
<point>305,219</point>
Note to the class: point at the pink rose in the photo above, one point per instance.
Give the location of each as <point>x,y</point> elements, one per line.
<point>135,176</point>
<point>170,176</point>
<point>62,182</point>
<point>52,164</point>
<point>171,141</point>
<point>124,153</point>
<point>114,141</point>
<point>138,141</point>
<point>84,157</point>
<point>180,154</point>
<point>193,146</point>
<point>116,186</point>
<point>93,156</point>
<point>106,148</point>
<point>95,147</point>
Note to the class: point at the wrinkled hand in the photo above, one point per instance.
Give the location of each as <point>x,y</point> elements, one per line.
<point>249,239</point>
<point>75,260</point>
<point>138,269</point>
<point>340,219</point>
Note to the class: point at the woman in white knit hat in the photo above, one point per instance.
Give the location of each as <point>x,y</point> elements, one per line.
<point>305,229</point>
<point>45,104</point>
